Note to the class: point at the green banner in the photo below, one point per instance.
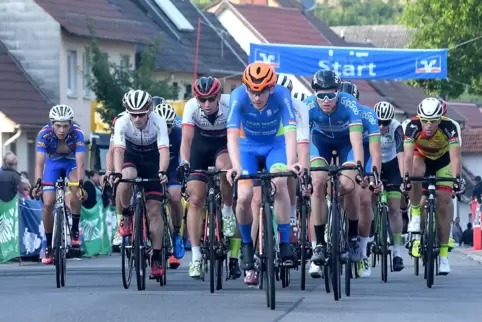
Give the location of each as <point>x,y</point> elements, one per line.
<point>94,228</point>
<point>9,234</point>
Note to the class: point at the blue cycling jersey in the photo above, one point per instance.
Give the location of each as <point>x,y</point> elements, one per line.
<point>175,138</point>
<point>48,143</point>
<point>336,126</point>
<point>178,121</point>
<point>371,130</point>
<point>266,125</point>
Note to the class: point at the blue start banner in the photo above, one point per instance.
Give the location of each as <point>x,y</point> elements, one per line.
<point>354,63</point>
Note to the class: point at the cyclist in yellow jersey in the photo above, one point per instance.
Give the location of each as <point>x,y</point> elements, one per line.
<point>432,147</point>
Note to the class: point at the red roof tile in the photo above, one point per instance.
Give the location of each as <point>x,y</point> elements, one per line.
<point>107,22</point>
<point>282,25</point>
<point>472,140</point>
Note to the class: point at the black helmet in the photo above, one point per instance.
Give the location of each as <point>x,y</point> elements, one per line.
<point>325,79</point>
<point>206,87</point>
<point>157,100</point>
<point>350,88</point>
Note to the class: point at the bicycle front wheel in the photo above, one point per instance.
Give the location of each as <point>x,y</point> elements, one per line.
<point>269,252</point>
<point>139,256</point>
<point>303,239</point>
<point>430,247</point>
<point>58,260</point>
<point>335,252</point>
<point>384,242</point>
<point>212,241</point>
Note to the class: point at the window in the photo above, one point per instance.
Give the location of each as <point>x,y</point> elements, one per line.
<point>125,62</point>
<point>175,87</point>
<point>174,15</point>
<point>87,69</point>
<point>71,73</point>
<point>188,92</point>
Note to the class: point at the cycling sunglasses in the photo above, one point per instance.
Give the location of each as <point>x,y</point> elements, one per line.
<point>328,96</point>
<point>204,99</point>
<point>436,120</point>
<point>384,122</point>
<point>140,114</point>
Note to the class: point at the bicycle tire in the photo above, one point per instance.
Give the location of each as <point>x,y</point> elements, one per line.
<point>220,256</point>
<point>166,245</point>
<point>139,247</point>
<point>212,240</point>
<point>304,238</point>
<point>384,242</point>
<point>430,243</point>
<point>349,267</point>
<point>162,279</point>
<point>416,268</point>
<point>269,242</point>
<point>335,251</point>
<point>63,275</point>
<point>57,245</point>
<point>326,266</point>
<point>127,262</point>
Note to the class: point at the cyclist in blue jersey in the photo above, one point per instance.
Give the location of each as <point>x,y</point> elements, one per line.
<point>372,153</point>
<point>336,125</point>
<point>60,148</point>
<point>262,122</point>
<point>168,113</point>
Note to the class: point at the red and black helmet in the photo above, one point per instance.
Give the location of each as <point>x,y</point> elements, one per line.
<point>207,87</point>
<point>444,106</point>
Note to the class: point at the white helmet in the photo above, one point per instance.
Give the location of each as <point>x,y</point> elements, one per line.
<point>384,111</point>
<point>430,108</point>
<point>60,113</point>
<point>300,96</point>
<point>166,112</point>
<point>137,101</point>
<point>285,81</point>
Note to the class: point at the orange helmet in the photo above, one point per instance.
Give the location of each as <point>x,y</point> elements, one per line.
<point>258,76</point>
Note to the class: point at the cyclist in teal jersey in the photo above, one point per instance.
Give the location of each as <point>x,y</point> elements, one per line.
<point>262,122</point>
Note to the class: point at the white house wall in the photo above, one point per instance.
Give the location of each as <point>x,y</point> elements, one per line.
<point>33,37</point>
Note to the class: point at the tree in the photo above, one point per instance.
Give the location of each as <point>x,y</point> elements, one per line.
<point>358,13</point>
<point>445,24</point>
<point>203,4</point>
<point>109,81</point>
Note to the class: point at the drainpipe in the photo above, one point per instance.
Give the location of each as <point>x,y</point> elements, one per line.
<point>12,139</point>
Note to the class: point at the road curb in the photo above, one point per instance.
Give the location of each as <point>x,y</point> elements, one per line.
<point>475,255</point>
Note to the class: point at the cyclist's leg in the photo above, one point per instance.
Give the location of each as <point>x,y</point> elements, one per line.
<point>444,211</point>
<point>196,190</point>
<point>391,173</point>
<point>419,169</point>
<point>276,162</point>
<point>229,220</point>
<point>174,189</point>
<point>320,152</point>
<point>124,193</point>
<point>366,214</point>
<point>70,167</point>
<point>50,175</point>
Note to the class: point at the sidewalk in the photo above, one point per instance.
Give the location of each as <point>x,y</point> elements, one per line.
<point>469,252</point>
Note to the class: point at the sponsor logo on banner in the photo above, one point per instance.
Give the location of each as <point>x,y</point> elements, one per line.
<point>270,58</point>
<point>431,64</point>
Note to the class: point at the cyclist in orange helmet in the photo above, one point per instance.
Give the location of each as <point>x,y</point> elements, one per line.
<point>259,78</point>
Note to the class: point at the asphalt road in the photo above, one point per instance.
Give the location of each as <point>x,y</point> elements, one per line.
<point>94,293</point>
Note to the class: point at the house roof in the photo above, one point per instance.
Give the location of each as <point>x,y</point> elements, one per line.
<point>469,113</point>
<point>20,99</point>
<point>107,21</point>
<point>472,140</point>
<point>383,36</point>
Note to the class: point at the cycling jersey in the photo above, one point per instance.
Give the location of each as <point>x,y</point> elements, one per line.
<point>60,154</point>
<point>332,131</point>
<point>208,126</point>
<point>210,134</point>
<point>151,138</point>
<point>457,125</point>
<point>266,125</point>
<point>302,121</point>
<point>371,130</point>
<point>47,142</point>
<point>392,141</point>
<point>438,144</point>
<point>262,131</point>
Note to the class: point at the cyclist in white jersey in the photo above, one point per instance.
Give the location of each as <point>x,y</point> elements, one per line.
<point>392,170</point>
<point>141,149</point>
<point>204,144</point>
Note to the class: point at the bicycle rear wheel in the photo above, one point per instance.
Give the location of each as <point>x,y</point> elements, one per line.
<point>139,256</point>
<point>384,242</point>
<point>269,252</point>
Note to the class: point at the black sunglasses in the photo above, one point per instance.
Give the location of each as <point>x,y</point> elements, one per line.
<point>210,99</point>
<point>384,122</point>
